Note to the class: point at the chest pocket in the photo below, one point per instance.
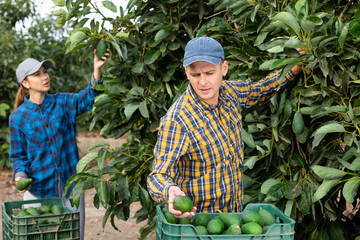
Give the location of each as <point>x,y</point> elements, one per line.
<point>34,132</point>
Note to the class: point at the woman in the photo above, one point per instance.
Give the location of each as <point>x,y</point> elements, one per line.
<point>43,143</point>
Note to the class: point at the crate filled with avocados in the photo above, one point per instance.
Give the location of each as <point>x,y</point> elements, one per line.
<point>46,218</point>
<point>257,221</point>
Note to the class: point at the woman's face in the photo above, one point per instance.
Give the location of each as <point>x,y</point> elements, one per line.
<point>38,81</point>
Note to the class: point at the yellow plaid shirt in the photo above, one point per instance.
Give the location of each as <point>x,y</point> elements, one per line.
<point>200,146</point>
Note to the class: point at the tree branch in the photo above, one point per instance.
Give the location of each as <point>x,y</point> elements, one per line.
<point>341,17</point>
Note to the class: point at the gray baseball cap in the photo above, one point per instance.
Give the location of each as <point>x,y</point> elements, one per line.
<point>203,49</point>
<point>30,66</point>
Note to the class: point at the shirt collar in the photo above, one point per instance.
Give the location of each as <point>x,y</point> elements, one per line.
<point>32,106</point>
<point>201,104</point>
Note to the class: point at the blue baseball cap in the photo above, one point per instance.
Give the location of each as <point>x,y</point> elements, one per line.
<point>203,49</point>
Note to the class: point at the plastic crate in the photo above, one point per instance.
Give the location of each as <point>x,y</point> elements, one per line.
<point>283,230</point>
<point>62,226</point>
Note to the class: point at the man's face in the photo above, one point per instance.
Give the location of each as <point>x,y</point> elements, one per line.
<point>205,78</point>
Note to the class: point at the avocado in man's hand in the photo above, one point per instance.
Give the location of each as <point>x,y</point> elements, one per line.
<point>183,204</point>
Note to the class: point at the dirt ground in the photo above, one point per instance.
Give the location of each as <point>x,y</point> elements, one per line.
<point>93,227</point>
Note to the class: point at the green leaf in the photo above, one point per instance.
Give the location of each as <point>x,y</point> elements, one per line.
<point>288,207</point>
<point>102,154</point>
<point>138,67</point>
<point>107,215</point>
<point>343,34</point>
<point>248,139</point>
<point>268,184</point>
<point>250,162</point>
<point>152,55</point>
<point>254,11</point>
<point>293,189</point>
<point>145,199</point>
<point>289,20</point>
<point>350,189</point>
<point>109,5</point>
<point>354,166</point>
<point>99,185</point>
<point>354,28</point>
<point>327,172</point>
<point>59,3</point>
<point>84,161</point>
<point>98,144</point>
<point>305,202</point>
<point>131,4</point>
<point>329,128</point>
<point>130,109</point>
<point>324,188</point>
<point>143,109</point>
<point>77,37</point>
<point>161,35</point>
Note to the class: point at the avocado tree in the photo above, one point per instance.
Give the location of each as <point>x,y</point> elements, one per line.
<point>302,148</point>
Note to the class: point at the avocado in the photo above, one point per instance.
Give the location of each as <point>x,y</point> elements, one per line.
<point>23,184</point>
<point>183,204</point>
<point>165,209</point>
<point>22,213</point>
<point>267,218</point>
<point>32,211</point>
<point>101,49</point>
<point>233,230</point>
<point>170,218</point>
<point>229,219</point>
<point>251,228</point>
<point>250,216</point>
<point>56,209</point>
<point>201,219</point>
<point>201,230</point>
<point>215,226</point>
<point>44,209</point>
<point>184,221</point>
<point>298,123</point>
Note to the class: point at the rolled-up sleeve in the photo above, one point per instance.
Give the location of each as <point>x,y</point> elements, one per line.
<point>172,144</point>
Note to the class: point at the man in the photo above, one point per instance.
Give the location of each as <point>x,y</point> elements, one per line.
<point>199,152</point>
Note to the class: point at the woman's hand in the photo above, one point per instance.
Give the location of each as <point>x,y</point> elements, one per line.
<point>98,63</point>
<point>18,179</point>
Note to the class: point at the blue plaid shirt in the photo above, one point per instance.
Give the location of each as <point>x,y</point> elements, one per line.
<point>43,139</point>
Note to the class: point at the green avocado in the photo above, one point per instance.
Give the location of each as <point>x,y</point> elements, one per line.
<point>298,123</point>
<point>251,228</point>
<point>201,219</point>
<point>23,184</point>
<point>101,49</point>
<point>233,230</point>
<point>250,216</point>
<point>215,226</point>
<point>229,219</point>
<point>32,211</point>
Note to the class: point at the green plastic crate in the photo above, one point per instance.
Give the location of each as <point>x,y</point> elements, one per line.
<point>63,226</point>
<point>283,230</point>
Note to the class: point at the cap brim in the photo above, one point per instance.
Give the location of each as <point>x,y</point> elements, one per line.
<point>209,59</point>
<point>46,63</point>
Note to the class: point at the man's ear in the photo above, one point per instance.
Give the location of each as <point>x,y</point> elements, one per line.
<point>225,68</point>
<point>186,69</point>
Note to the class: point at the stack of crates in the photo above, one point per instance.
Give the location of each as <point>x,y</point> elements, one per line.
<point>282,230</point>
<point>52,227</point>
